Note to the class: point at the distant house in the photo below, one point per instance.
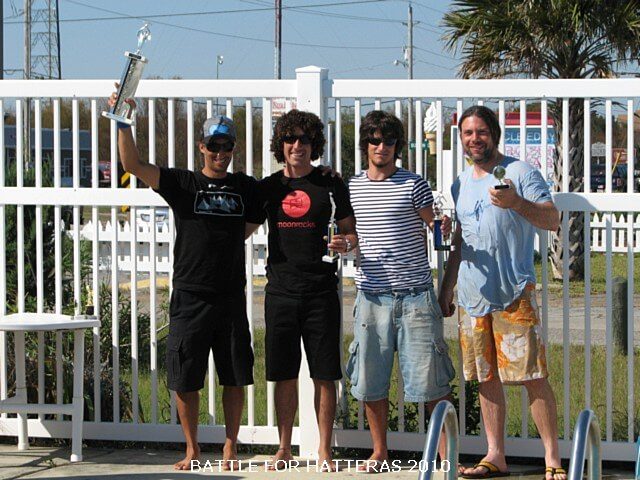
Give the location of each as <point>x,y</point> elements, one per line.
<point>66,152</point>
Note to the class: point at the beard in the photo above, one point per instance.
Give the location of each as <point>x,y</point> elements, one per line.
<point>487,155</point>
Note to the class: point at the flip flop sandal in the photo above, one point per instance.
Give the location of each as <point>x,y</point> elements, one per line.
<point>491,471</point>
<point>554,471</point>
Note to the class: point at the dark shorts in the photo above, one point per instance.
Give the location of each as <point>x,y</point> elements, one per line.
<point>199,323</point>
<point>315,319</point>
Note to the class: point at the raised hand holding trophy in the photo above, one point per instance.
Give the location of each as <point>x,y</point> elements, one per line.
<point>121,110</point>
<point>499,172</point>
<point>332,229</point>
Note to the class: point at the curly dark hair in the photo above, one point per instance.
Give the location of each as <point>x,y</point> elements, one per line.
<point>286,125</point>
<point>389,125</point>
<point>485,114</point>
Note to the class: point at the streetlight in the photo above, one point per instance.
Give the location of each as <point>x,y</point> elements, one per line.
<point>219,61</point>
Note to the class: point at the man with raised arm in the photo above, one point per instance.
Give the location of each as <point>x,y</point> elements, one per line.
<point>208,307</point>
<point>301,300</point>
<point>500,331</point>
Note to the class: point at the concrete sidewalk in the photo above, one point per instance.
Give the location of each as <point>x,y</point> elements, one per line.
<point>145,464</point>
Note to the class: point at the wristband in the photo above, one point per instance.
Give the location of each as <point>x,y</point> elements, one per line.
<point>122,125</point>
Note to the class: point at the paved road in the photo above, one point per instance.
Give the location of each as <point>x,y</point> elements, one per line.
<point>555,316</point>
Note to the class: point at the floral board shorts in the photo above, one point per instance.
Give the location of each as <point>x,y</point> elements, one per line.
<point>508,342</point>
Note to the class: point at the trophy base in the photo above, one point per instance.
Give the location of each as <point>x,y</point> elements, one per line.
<point>443,248</point>
<point>330,258</point>
<point>117,118</point>
<point>501,187</point>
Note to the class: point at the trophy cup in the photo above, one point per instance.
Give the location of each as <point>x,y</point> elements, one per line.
<point>440,242</point>
<point>121,111</point>
<point>499,172</point>
<point>332,229</point>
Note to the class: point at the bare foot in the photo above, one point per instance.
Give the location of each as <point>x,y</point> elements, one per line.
<point>498,461</point>
<point>325,462</point>
<point>230,457</point>
<point>281,459</point>
<point>185,463</point>
<point>373,464</point>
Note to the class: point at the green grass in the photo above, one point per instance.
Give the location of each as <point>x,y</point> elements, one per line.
<point>598,274</point>
<point>555,361</point>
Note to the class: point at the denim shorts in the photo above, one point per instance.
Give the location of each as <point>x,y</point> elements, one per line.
<point>410,322</point>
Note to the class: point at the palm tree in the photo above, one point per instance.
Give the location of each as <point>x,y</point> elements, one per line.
<point>548,39</point>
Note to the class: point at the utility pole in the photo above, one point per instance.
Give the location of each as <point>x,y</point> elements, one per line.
<point>410,153</point>
<point>26,128</point>
<point>1,41</point>
<point>278,41</point>
<point>407,62</point>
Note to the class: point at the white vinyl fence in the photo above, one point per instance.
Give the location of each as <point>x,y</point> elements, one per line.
<point>48,270</point>
<point>619,225</point>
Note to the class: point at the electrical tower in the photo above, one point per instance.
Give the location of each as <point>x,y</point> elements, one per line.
<point>44,42</point>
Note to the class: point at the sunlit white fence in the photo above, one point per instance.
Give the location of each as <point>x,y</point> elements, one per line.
<point>144,411</point>
<point>144,235</point>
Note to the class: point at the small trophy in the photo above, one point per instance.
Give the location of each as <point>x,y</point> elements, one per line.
<point>438,211</point>
<point>499,172</point>
<point>332,229</point>
<point>89,308</point>
<point>121,110</point>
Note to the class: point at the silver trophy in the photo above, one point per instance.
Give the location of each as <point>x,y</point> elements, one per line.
<point>121,110</point>
<point>332,229</point>
<point>499,172</point>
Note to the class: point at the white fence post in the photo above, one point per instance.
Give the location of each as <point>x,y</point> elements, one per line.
<point>311,98</point>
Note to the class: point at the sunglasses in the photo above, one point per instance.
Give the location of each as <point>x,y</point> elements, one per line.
<point>291,139</point>
<point>388,142</point>
<point>214,147</point>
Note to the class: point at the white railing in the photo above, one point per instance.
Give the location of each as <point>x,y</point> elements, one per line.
<point>134,369</point>
<point>163,236</point>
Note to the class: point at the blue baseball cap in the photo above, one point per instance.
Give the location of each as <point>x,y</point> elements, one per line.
<point>218,127</point>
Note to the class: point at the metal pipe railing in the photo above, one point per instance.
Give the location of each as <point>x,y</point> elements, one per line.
<point>444,415</point>
<point>586,436</point>
<point>638,459</point>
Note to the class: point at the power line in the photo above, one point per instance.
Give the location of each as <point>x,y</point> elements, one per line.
<point>241,37</point>
<point>120,16</point>
<point>428,7</point>
<point>329,14</point>
<point>431,52</point>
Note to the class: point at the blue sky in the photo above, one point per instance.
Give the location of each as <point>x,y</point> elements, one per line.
<point>187,45</point>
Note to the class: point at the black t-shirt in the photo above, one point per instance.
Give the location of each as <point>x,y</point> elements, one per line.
<point>210,216</point>
<point>299,210</point>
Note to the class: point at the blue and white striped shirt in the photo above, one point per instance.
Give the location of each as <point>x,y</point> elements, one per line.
<point>392,248</point>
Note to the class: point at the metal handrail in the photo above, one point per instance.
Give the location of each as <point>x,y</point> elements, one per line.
<point>443,415</point>
<point>586,436</point>
<point>638,460</point>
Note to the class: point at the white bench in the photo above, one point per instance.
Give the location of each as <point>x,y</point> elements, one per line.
<point>49,322</point>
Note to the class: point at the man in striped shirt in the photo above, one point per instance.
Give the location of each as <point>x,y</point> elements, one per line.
<point>396,308</point>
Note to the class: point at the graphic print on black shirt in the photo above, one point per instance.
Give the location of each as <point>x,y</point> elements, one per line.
<point>210,217</point>
<point>298,210</point>
<point>219,202</point>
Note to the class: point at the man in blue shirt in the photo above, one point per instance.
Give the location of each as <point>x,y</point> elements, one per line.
<point>500,332</point>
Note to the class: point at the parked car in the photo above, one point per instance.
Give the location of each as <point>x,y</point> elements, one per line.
<point>618,178</point>
<point>144,216</point>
